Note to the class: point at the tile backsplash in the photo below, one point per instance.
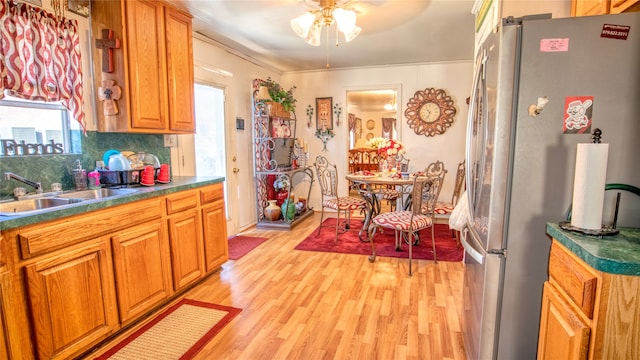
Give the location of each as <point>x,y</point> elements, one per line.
<point>49,169</point>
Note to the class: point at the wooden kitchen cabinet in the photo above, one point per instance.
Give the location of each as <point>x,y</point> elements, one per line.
<point>154,67</point>
<point>185,238</point>
<point>599,7</point>
<point>589,7</point>
<point>620,6</point>
<point>142,269</point>
<point>214,227</point>
<point>4,345</point>
<point>587,314</point>
<point>74,281</point>
<point>71,299</point>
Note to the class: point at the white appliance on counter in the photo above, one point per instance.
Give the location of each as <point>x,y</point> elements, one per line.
<point>535,77</point>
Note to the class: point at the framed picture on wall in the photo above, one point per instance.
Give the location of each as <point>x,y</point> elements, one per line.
<point>80,7</point>
<point>324,113</point>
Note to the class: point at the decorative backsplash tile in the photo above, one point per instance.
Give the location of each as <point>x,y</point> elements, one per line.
<point>49,169</point>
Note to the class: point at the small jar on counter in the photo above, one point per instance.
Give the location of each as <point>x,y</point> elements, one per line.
<point>94,180</point>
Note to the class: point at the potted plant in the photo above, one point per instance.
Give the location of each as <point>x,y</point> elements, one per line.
<point>280,95</point>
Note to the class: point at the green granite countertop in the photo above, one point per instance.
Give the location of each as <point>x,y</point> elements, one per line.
<point>178,183</point>
<point>619,254</point>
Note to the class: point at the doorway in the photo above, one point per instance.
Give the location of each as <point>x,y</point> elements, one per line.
<point>205,153</point>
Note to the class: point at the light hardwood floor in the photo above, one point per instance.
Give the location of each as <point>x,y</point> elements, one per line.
<point>313,305</point>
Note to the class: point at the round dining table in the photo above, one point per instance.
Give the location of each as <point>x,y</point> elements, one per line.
<point>374,187</point>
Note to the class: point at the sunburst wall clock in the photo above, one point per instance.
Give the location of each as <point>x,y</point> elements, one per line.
<point>430,112</point>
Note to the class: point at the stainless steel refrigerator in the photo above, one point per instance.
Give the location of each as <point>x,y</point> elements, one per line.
<point>540,87</point>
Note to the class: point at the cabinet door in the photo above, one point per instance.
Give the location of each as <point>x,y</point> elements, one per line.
<point>185,242</point>
<point>619,6</point>
<point>563,334</point>
<point>214,223</point>
<point>72,299</point>
<point>147,64</point>
<point>4,346</point>
<point>589,7</point>
<point>180,71</point>
<point>142,268</point>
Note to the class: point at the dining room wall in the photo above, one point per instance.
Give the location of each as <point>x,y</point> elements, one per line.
<point>453,77</point>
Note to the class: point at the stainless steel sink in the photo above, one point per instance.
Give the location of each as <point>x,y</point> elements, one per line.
<point>32,205</point>
<point>97,194</point>
<point>53,201</point>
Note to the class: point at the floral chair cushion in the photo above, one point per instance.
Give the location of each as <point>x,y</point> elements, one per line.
<point>401,220</point>
<point>345,203</point>
<point>443,208</point>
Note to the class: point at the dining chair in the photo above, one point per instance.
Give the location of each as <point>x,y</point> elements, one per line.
<point>327,175</point>
<point>409,222</point>
<point>444,208</point>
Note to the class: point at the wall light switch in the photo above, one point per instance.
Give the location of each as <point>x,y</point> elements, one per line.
<point>170,140</point>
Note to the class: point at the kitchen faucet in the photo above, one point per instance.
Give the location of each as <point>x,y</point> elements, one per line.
<point>34,184</point>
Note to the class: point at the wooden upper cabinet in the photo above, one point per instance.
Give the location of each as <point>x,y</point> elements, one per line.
<point>153,67</point>
<point>589,7</point>
<point>179,44</point>
<point>599,7</point>
<point>147,64</point>
<point>619,6</point>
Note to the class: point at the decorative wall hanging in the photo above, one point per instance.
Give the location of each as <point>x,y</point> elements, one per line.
<point>371,124</point>
<point>80,7</point>
<point>337,110</point>
<point>107,44</point>
<point>309,115</point>
<point>324,135</point>
<point>430,112</point>
<point>324,114</point>
<point>109,92</point>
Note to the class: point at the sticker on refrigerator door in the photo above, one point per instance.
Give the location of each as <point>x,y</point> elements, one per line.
<point>554,45</point>
<point>615,31</point>
<point>577,114</point>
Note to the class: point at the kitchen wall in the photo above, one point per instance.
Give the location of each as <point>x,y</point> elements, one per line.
<point>49,169</point>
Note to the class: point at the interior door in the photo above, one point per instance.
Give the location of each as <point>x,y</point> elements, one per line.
<point>211,151</point>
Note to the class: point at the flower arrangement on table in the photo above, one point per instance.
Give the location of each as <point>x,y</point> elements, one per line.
<point>387,147</point>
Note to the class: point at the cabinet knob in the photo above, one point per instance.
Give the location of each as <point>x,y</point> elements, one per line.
<point>236,170</point>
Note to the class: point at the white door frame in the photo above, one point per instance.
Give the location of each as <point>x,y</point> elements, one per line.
<point>183,155</point>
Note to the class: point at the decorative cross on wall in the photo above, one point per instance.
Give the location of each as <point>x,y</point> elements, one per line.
<point>107,44</point>
<point>109,92</point>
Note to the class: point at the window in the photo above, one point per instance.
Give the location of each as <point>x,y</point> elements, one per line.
<point>37,128</point>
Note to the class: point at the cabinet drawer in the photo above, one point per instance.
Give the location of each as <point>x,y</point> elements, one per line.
<point>181,201</point>
<point>46,237</point>
<point>211,194</point>
<point>574,277</point>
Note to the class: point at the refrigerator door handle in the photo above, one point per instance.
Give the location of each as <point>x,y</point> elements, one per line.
<point>476,255</point>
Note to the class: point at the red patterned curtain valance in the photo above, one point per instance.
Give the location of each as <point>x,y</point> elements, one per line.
<point>40,57</point>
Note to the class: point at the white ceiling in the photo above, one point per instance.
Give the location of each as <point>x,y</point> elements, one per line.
<point>393,32</point>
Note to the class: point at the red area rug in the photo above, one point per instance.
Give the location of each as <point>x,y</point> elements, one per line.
<point>348,243</point>
<point>179,332</point>
<point>240,245</point>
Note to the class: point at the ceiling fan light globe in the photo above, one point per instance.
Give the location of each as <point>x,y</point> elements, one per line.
<point>313,37</point>
<point>348,36</point>
<point>302,24</point>
<point>346,19</point>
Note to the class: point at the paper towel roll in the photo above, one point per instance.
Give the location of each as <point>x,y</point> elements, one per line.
<point>588,186</point>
